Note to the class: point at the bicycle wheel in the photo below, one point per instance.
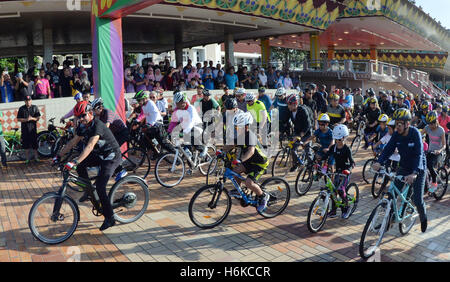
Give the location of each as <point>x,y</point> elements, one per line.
<point>210,154</point>
<point>373,232</point>
<point>129,198</point>
<point>352,194</point>
<point>49,228</point>
<point>379,183</point>
<point>355,144</point>
<point>318,213</point>
<point>208,208</point>
<point>137,161</point>
<point>282,163</point>
<point>46,140</point>
<point>406,224</point>
<point>280,194</point>
<point>367,174</point>
<point>216,169</point>
<point>168,171</point>
<point>304,181</point>
<point>442,179</point>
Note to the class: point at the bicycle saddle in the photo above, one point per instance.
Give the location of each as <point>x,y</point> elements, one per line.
<point>346,172</point>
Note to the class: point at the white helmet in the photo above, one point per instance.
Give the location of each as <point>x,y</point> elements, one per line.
<point>280,91</point>
<point>391,122</point>
<point>324,118</point>
<point>178,97</point>
<point>242,119</point>
<point>96,103</point>
<point>340,131</point>
<point>383,118</point>
<point>240,91</point>
<point>250,97</point>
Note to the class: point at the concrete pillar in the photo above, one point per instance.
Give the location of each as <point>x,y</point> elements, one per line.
<point>265,52</point>
<point>229,50</point>
<point>314,49</point>
<point>48,45</point>
<point>178,53</point>
<point>331,52</point>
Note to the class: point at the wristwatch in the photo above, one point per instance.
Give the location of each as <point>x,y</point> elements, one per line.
<point>75,162</point>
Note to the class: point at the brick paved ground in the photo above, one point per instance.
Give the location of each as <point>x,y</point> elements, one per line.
<point>165,232</point>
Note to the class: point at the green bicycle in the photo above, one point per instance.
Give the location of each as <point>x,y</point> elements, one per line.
<point>318,211</point>
<point>388,211</point>
<point>13,146</point>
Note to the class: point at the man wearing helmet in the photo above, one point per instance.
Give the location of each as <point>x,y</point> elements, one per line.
<point>280,103</point>
<point>372,113</point>
<point>402,102</point>
<point>309,102</point>
<point>231,110</point>
<point>323,135</point>
<point>436,137</point>
<point>335,111</point>
<point>408,141</point>
<point>251,160</point>
<point>421,116</point>
<point>341,155</point>
<point>385,105</point>
<point>111,120</point>
<point>101,150</point>
<point>240,97</point>
<point>258,110</point>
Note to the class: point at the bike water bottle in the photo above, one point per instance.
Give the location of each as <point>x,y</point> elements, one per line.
<point>324,169</point>
<point>188,152</point>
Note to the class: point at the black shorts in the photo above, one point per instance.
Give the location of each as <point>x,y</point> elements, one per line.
<point>254,171</point>
<point>29,140</point>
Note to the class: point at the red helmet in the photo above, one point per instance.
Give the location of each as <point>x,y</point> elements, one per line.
<point>81,107</point>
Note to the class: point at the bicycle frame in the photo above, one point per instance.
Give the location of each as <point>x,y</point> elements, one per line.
<point>229,174</point>
<point>393,194</point>
<point>331,190</point>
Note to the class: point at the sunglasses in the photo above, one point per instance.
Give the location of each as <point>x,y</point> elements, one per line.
<point>322,124</point>
<point>152,97</point>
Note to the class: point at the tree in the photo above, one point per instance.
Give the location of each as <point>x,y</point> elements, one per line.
<point>288,56</point>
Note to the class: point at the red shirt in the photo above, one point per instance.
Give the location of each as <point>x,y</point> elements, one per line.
<point>443,122</point>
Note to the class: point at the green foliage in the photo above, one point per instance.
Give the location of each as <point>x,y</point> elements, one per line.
<point>9,63</point>
<point>289,57</point>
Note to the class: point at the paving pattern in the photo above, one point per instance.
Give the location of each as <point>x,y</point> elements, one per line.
<point>165,232</point>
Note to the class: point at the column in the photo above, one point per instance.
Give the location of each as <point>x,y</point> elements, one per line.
<point>374,56</point>
<point>331,53</point>
<point>229,50</point>
<point>107,63</point>
<point>48,45</point>
<point>30,50</point>
<point>178,54</point>
<point>314,49</point>
<point>265,52</point>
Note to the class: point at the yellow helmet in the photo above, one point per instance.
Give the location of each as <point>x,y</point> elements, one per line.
<point>372,100</point>
<point>431,117</point>
<point>334,96</point>
<point>391,122</point>
<point>383,118</point>
<point>324,118</point>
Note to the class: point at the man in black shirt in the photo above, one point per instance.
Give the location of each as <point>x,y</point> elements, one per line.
<point>101,150</point>
<point>245,78</point>
<point>65,89</point>
<point>28,115</point>
<point>309,102</point>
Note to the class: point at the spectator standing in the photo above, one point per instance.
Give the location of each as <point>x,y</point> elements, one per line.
<point>42,86</point>
<point>140,81</point>
<point>208,80</point>
<point>21,86</point>
<point>2,142</point>
<point>287,82</point>
<point>28,115</point>
<point>262,78</point>
<point>129,81</point>
<point>217,70</point>
<point>231,79</point>
<point>245,78</point>
<point>263,97</point>
<point>54,80</point>
<point>76,68</point>
<point>254,79</point>
<point>219,79</point>
<point>85,83</point>
<point>158,75</point>
<point>6,87</point>
<point>64,86</point>
<point>271,79</point>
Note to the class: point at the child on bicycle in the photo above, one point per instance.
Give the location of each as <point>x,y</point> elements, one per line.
<point>341,154</point>
<point>251,159</point>
<point>324,136</point>
<point>380,132</point>
<point>379,146</point>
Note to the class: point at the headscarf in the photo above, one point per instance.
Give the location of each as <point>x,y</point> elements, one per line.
<point>158,75</point>
<point>150,75</point>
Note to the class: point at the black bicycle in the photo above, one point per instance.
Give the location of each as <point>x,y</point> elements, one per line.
<point>54,217</point>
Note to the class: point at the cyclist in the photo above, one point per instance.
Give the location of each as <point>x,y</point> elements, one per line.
<point>335,111</point>
<point>111,120</point>
<point>303,122</point>
<point>153,119</point>
<point>381,129</point>
<point>252,161</point>
<point>443,120</point>
<point>324,136</point>
<point>263,97</point>
<point>78,98</point>
<point>436,137</point>
<point>402,102</point>
<point>372,113</point>
<point>371,94</point>
<point>280,103</point>
<point>385,105</point>
<point>309,102</point>
<point>101,150</point>
<point>232,110</point>
<point>408,141</point>
<point>395,158</point>
<point>240,97</point>
<point>421,116</point>
<point>258,111</point>
<point>341,154</point>
<point>191,123</point>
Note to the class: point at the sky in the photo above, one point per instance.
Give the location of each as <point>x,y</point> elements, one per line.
<point>438,9</point>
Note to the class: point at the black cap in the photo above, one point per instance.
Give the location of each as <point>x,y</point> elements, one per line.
<point>27,97</point>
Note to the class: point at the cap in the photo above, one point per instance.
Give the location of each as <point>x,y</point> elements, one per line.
<point>200,86</point>
<point>27,97</point>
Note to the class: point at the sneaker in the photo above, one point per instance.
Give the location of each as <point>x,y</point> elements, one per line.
<point>345,213</point>
<point>235,193</point>
<point>332,214</point>
<point>107,223</point>
<point>121,174</point>
<point>264,199</point>
<point>84,198</point>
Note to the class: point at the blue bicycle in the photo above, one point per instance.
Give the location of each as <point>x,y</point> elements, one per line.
<point>388,211</point>
<point>211,204</point>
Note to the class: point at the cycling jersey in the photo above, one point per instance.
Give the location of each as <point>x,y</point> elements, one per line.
<point>443,122</point>
<point>107,147</point>
<point>381,132</point>
<point>256,165</point>
<point>116,123</point>
<point>325,138</point>
<point>151,113</point>
<point>258,111</point>
<point>187,117</point>
<point>372,115</point>
<point>342,157</point>
<point>283,111</point>
<point>335,114</point>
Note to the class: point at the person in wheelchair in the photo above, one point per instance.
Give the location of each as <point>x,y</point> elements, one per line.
<point>251,160</point>
<point>342,156</point>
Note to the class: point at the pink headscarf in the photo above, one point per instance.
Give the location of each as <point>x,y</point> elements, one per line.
<point>193,74</point>
<point>150,75</point>
<point>158,76</point>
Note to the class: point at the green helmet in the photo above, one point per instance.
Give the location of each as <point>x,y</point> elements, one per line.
<point>141,95</point>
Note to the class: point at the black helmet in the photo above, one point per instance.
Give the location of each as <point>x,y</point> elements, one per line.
<point>402,114</point>
<point>231,103</point>
<point>370,91</point>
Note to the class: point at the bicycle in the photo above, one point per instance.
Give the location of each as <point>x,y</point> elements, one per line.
<point>442,181</point>
<point>367,172</point>
<point>54,208</point>
<point>283,162</point>
<point>381,179</point>
<point>170,168</point>
<point>356,142</point>
<point>321,204</point>
<point>13,146</point>
<point>385,214</point>
<point>308,172</point>
<point>206,212</point>
<point>47,139</point>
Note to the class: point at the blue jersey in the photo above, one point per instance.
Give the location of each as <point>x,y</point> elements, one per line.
<point>325,139</point>
<point>284,113</point>
<point>266,100</point>
<point>380,132</point>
